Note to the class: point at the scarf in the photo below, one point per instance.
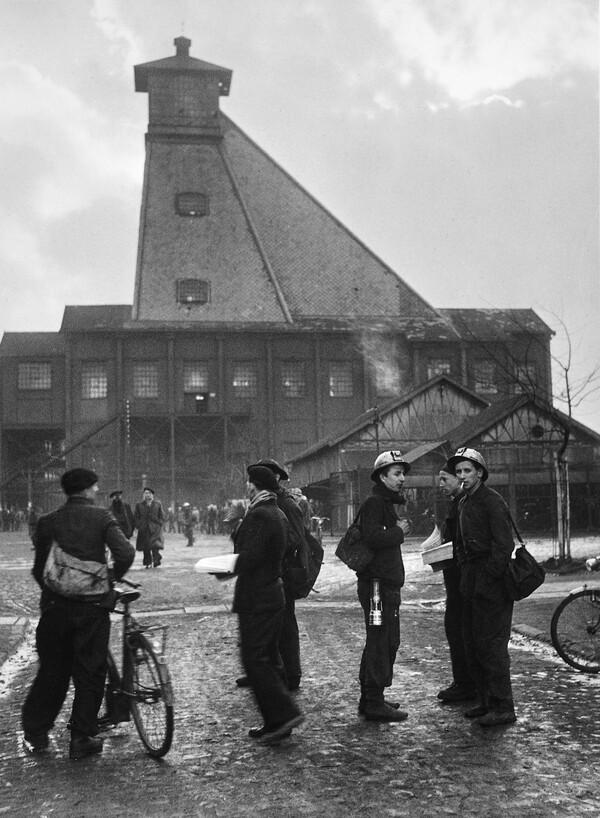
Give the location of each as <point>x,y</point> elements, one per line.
<point>262,497</point>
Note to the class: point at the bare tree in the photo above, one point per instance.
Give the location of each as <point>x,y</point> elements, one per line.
<point>517,363</point>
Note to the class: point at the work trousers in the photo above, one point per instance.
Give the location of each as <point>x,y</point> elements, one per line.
<point>453,625</point>
<point>487,620</point>
<point>259,638</point>
<point>381,644</point>
<point>152,556</point>
<point>289,642</point>
<point>72,642</point>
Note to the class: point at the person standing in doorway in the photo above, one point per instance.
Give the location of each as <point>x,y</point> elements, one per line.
<point>462,687</point>
<point>484,546</point>
<point>149,520</point>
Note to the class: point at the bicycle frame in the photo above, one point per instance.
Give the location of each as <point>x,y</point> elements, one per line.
<point>142,690</point>
<point>130,637</point>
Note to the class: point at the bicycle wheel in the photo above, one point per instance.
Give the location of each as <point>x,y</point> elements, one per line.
<point>115,705</point>
<point>575,630</point>
<point>151,697</point>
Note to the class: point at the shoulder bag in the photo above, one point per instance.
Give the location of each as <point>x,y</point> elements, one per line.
<point>69,576</point>
<point>352,550</point>
<point>523,574</point>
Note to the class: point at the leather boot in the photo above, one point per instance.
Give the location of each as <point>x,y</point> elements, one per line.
<point>82,746</point>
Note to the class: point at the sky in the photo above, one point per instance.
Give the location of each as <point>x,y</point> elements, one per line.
<point>458,139</point>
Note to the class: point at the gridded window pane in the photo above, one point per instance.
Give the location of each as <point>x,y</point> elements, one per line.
<point>94,381</point>
<point>438,366</point>
<point>34,376</point>
<point>193,291</point>
<point>484,377</point>
<point>192,204</point>
<point>293,379</point>
<point>145,381</point>
<point>244,381</point>
<point>340,380</point>
<point>195,378</point>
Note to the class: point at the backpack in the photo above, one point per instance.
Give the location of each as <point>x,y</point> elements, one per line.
<point>303,571</point>
<point>69,576</point>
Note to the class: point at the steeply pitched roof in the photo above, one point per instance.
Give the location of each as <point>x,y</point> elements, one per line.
<point>271,252</point>
<point>367,418</point>
<point>322,268</point>
<point>477,425</point>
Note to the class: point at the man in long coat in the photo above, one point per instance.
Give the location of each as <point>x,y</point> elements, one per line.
<point>149,520</point>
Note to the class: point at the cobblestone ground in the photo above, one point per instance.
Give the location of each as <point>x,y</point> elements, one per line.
<point>336,764</point>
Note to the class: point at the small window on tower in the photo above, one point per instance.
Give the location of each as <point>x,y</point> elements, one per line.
<point>192,204</point>
<point>193,291</point>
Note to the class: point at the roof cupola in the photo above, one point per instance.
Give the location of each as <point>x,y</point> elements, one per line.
<point>183,95</point>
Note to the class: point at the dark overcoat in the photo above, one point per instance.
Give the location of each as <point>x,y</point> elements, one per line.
<point>149,521</point>
<point>260,541</point>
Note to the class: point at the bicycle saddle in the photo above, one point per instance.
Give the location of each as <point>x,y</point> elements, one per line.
<point>127,596</point>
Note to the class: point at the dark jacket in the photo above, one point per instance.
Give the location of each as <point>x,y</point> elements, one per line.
<point>149,519</point>
<point>295,538</point>
<point>82,530</point>
<point>124,516</point>
<point>260,541</point>
<point>450,523</point>
<point>485,530</point>
<point>377,521</point>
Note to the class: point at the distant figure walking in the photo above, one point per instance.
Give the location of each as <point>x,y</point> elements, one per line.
<point>149,520</point>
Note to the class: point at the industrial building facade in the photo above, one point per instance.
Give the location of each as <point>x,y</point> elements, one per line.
<point>260,327</point>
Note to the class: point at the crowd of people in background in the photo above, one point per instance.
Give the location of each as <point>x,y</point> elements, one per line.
<point>16,519</point>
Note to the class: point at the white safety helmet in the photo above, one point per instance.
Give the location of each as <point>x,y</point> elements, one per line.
<point>469,454</point>
<point>386,459</point>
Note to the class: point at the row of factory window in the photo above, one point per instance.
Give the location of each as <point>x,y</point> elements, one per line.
<point>196,379</point>
<point>292,378</point>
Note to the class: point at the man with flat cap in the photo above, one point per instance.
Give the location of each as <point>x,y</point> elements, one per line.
<point>260,542</point>
<point>73,631</point>
<point>149,520</point>
<point>289,639</point>
<point>122,513</point>
<point>484,546</point>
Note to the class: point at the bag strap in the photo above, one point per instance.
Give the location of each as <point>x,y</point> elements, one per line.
<point>520,539</point>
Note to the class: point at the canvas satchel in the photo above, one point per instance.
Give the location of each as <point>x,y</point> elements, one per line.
<point>352,550</point>
<point>71,577</point>
<point>523,573</point>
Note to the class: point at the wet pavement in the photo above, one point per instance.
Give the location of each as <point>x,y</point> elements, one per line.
<point>435,763</point>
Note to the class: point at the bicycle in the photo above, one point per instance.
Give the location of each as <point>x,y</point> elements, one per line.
<point>143,688</point>
<point>575,626</point>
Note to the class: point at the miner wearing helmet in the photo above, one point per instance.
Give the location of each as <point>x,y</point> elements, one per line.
<point>484,546</point>
<point>383,533</point>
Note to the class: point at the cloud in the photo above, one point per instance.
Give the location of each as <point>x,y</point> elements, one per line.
<point>80,154</point>
<point>109,19</point>
<point>470,47</point>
